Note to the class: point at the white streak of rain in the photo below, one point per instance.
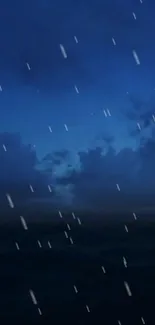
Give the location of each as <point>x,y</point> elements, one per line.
<point>17,246</point>
<point>73,215</point>
<point>50,129</point>
<point>71,240</point>
<point>23,223</point>
<point>103,269</point>
<point>66,127</point>
<point>28,66</point>
<point>134,15</point>
<point>31,188</point>
<point>33,297</point>
<point>113,40</point>
<point>4,147</point>
<point>76,40</point>
<point>136,57</point>
<point>118,187</point>
<point>127,289</point>
<point>60,214</point>
<point>75,288</point>
<point>63,51</point>
<point>76,89</point>
<point>88,310</point>
<point>11,204</point>
<point>39,243</point>
<point>126,228</point>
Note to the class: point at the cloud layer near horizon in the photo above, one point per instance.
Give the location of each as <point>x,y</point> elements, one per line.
<point>92,186</point>
<point>18,169</point>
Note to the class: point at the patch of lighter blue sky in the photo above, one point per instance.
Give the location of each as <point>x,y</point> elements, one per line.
<point>32,113</point>
<point>83,132</point>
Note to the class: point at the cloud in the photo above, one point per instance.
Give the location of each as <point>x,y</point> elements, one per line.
<point>142,112</point>
<point>94,185</point>
<point>106,139</point>
<point>56,158</point>
<point>18,170</point>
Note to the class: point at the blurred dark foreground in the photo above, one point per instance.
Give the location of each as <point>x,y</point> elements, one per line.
<point>52,273</point>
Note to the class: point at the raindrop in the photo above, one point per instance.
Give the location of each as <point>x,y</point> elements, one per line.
<point>103,269</point>
<point>75,288</point>
<point>11,204</point>
<point>87,308</point>
<point>71,240</point>
<point>23,223</point>
<point>76,40</point>
<point>28,66</point>
<point>39,243</point>
<point>60,214</point>
<point>31,188</point>
<point>118,187</point>
<point>17,246</point>
<point>4,147</point>
<point>113,40</point>
<point>127,289</point>
<point>50,128</point>
<point>66,127</point>
<point>136,57</point>
<point>63,51</point>
<point>76,89</point>
<point>73,215</point>
<point>33,297</point>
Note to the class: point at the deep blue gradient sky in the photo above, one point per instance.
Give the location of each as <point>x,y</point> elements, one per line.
<point>106,75</point>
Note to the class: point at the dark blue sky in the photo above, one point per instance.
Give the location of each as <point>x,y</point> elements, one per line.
<point>31,31</point>
<point>106,75</point>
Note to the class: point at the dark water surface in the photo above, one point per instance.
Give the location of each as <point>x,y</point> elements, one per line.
<point>52,273</point>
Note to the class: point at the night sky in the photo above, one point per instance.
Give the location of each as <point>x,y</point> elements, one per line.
<point>98,101</point>
<point>77,162</point>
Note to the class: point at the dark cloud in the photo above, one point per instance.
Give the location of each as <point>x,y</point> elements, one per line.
<point>107,139</point>
<point>135,133</point>
<point>95,184</point>
<point>141,112</point>
<point>18,169</point>
<point>62,154</point>
<point>55,158</point>
<point>138,104</point>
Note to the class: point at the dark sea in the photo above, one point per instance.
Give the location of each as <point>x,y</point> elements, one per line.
<point>80,280</point>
